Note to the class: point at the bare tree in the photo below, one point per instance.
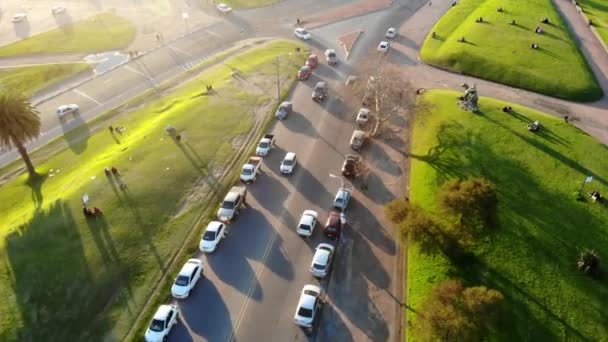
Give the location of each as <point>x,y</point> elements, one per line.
<point>383,90</point>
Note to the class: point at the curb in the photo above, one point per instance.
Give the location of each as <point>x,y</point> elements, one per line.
<point>581,11</point>
<point>46,98</point>
<point>346,50</point>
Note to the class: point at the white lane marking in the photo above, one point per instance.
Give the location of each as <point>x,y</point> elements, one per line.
<point>181,51</point>
<point>215,34</point>
<point>86,96</point>
<point>139,72</point>
<point>108,80</point>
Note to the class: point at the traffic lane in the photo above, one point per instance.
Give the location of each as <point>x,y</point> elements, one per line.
<point>48,110</point>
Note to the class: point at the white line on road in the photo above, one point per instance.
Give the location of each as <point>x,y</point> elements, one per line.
<point>86,96</point>
<point>215,34</point>
<point>181,51</point>
<point>139,72</point>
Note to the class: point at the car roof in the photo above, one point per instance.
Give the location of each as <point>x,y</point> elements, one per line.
<point>322,255</point>
<point>312,56</point>
<point>330,50</point>
<point>231,196</point>
<point>290,156</point>
<point>342,191</point>
<point>285,104</point>
<point>213,226</point>
<point>307,300</point>
<point>189,267</point>
<point>320,84</point>
<point>162,312</point>
<point>306,218</point>
<point>364,110</point>
<point>305,67</point>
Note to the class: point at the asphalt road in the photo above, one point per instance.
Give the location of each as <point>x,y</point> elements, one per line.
<point>252,282</point>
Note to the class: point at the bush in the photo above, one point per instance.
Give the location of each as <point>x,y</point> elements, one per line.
<point>454,312</point>
<point>414,222</point>
<point>473,201</point>
<point>588,262</point>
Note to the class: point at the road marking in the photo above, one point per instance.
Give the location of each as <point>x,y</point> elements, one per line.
<point>108,80</point>
<point>181,51</point>
<point>86,96</point>
<point>139,72</point>
<point>215,34</point>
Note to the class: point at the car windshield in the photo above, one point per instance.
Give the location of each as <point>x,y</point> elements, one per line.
<point>304,312</point>
<point>331,54</point>
<point>157,325</point>
<point>318,267</point>
<point>304,226</point>
<point>287,162</point>
<point>247,172</point>
<point>263,145</point>
<point>182,280</point>
<point>209,236</point>
<point>227,205</point>
<point>339,201</point>
<point>303,31</point>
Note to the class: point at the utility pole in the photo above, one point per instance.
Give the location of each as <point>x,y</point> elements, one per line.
<point>278,79</point>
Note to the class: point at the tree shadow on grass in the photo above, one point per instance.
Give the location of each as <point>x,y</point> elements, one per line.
<point>35,184</point>
<point>52,282</point>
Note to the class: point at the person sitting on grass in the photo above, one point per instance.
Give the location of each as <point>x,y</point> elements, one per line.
<point>534,126</point>
<point>499,9</point>
<point>538,30</point>
<point>534,46</point>
<point>507,109</point>
<point>596,196</point>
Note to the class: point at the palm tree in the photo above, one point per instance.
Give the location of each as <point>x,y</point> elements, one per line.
<point>19,122</point>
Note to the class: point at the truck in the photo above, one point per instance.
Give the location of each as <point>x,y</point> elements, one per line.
<point>231,205</point>
<point>250,170</point>
<point>266,143</point>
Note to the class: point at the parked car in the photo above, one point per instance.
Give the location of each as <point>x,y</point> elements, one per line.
<point>19,17</point>
<point>288,163</point>
<point>342,198</point>
<point>214,233</point>
<point>284,109</point>
<point>331,57</point>
<point>391,33</point>
<point>384,46</point>
<point>350,167</point>
<point>187,278</point>
<point>307,223</point>
<point>304,72</point>
<point>312,61</point>
<point>163,320</point>
<point>321,261</point>
<point>357,140</point>
<point>224,8</point>
<point>308,308</point>
<point>56,10</point>
<point>302,33</point>
<point>362,116</point>
<point>232,203</point>
<point>333,225</point>
<point>265,145</point>
<point>319,92</point>
<point>250,170</point>
<point>368,97</point>
<point>67,109</point>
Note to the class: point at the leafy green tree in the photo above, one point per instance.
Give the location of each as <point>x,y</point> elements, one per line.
<point>415,223</point>
<point>19,123</point>
<point>473,201</point>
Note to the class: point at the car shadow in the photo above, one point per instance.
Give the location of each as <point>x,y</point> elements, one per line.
<point>65,22</point>
<point>377,157</point>
<point>362,220</point>
<point>299,123</point>
<point>22,29</point>
<point>76,132</point>
<point>325,71</point>
<point>213,327</point>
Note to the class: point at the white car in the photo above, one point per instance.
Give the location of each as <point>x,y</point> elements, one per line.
<point>55,10</point>
<point>224,8</point>
<point>162,322</point>
<point>391,33</point>
<point>67,109</point>
<point>362,116</point>
<point>309,306</point>
<point>288,163</point>
<point>384,46</point>
<point>19,17</point>
<point>307,224</point>
<point>187,278</point>
<point>214,233</point>
<point>302,33</point>
<point>321,261</point>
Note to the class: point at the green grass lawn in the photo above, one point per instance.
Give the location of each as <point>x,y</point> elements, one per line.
<point>248,3</point>
<point>102,32</point>
<point>91,278</point>
<point>498,51</point>
<point>30,79</point>
<point>597,11</point>
<point>531,257</point>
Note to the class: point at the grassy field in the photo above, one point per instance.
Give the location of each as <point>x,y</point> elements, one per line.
<point>597,11</point>
<point>91,277</point>
<point>498,51</point>
<point>110,32</point>
<point>30,79</point>
<point>531,257</point>
<point>248,3</point>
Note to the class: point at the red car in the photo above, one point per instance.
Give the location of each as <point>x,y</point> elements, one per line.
<point>312,61</point>
<point>304,73</point>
